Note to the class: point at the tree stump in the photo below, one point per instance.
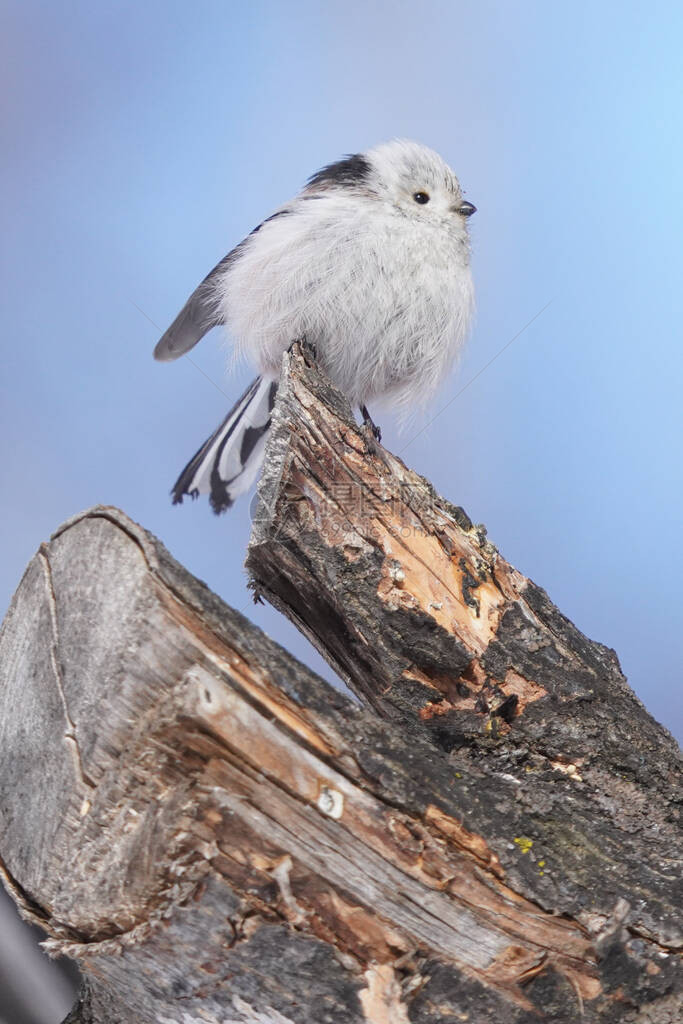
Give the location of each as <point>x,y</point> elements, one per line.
<point>216,835</point>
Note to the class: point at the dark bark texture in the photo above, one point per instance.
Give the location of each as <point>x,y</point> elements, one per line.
<point>216,835</point>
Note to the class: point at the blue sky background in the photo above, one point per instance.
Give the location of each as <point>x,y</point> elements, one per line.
<point>143,141</point>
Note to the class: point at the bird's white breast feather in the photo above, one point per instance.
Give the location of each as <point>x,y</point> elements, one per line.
<point>385,299</point>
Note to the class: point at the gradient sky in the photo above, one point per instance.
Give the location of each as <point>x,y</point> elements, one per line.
<point>144,141</point>
<point>141,142</point>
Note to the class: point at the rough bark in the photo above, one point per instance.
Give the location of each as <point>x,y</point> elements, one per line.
<point>424,619</point>
<point>216,835</point>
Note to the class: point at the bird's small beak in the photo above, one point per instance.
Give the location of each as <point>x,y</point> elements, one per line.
<point>466,209</point>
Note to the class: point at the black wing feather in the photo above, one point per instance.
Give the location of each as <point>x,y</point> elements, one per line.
<point>200,313</point>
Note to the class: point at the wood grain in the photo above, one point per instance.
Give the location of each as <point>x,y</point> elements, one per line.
<point>215,834</point>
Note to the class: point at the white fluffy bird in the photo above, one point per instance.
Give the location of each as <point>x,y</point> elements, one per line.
<point>370,263</point>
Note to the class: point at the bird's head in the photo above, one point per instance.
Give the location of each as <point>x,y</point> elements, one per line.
<point>412,179</point>
<point>416,181</point>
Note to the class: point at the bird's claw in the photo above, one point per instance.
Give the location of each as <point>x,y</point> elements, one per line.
<point>369,424</point>
<point>307,347</point>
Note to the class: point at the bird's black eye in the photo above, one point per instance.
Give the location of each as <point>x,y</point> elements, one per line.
<point>421,198</point>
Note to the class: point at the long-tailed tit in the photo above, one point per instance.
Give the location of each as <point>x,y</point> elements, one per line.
<point>370,263</point>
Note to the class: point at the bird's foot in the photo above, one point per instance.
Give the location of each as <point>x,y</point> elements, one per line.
<point>369,424</point>
<point>307,347</point>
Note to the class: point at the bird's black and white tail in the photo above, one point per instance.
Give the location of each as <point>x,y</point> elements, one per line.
<point>227,464</point>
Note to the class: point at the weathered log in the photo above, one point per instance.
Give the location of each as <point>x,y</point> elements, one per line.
<point>423,618</point>
<point>411,603</point>
<point>215,834</point>
<point>208,829</point>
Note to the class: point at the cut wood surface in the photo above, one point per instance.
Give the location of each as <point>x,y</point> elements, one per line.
<point>215,834</point>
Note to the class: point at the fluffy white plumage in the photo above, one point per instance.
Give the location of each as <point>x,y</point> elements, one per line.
<point>370,263</point>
